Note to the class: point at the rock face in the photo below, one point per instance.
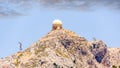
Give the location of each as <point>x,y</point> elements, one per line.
<point>62,48</point>
<point>114,56</point>
<point>100,52</point>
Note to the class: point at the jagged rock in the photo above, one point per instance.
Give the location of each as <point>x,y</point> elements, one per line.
<point>62,48</point>
<point>114,56</point>
<point>99,50</point>
<point>66,42</point>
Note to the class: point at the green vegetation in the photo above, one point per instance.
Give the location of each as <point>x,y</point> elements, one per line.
<point>17,62</point>
<point>40,49</point>
<point>61,53</point>
<point>55,65</point>
<point>114,66</point>
<point>20,55</point>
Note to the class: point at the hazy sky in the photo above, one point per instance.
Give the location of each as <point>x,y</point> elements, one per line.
<point>26,21</point>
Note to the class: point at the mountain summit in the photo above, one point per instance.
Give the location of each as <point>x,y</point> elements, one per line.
<point>62,48</point>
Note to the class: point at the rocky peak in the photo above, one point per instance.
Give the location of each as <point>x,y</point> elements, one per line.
<point>61,48</point>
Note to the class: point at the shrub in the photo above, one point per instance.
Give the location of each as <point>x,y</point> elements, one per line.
<point>55,65</point>
<point>114,66</point>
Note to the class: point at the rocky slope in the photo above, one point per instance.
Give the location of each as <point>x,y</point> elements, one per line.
<point>114,56</point>
<point>62,48</point>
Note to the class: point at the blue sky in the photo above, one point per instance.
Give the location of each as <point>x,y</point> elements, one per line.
<point>101,23</point>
